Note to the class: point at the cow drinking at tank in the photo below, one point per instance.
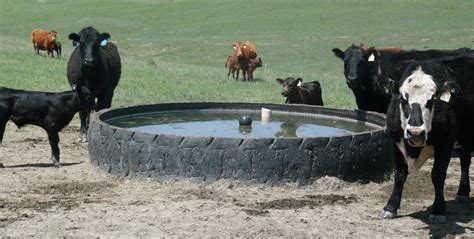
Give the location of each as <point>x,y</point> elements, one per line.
<point>431,111</point>
<point>95,63</point>
<point>296,92</point>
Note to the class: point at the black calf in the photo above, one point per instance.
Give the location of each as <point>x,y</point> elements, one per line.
<point>50,111</point>
<point>296,92</point>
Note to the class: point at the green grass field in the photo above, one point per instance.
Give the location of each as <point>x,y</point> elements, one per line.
<point>174,50</point>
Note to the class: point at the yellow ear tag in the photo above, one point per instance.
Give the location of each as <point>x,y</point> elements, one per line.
<point>446,96</point>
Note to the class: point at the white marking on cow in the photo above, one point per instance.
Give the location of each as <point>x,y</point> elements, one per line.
<point>414,164</point>
<point>419,87</point>
<point>371,57</point>
<point>300,83</point>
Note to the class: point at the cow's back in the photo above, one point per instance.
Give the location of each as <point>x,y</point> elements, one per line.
<point>250,51</point>
<point>38,36</point>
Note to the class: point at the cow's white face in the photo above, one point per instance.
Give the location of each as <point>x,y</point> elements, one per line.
<point>416,107</point>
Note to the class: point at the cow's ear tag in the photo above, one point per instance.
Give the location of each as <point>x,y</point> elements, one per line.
<point>103,42</point>
<point>74,43</point>
<point>446,96</point>
<point>371,57</point>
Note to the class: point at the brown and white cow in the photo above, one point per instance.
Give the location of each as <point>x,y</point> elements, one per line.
<point>43,40</point>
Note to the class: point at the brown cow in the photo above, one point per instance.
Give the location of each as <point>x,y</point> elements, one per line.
<point>234,66</point>
<point>241,59</point>
<point>366,48</point>
<point>43,40</point>
<point>245,49</point>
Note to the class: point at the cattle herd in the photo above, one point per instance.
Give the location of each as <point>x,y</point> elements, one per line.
<point>427,96</point>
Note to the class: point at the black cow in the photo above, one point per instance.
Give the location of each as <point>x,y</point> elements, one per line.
<point>95,63</point>
<point>50,111</point>
<point>386,67</point>
<point>432,108</point>
<point>296,92</point>
<point>357,69</point>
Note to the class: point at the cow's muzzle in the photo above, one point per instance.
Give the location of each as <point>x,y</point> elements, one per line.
<point>352,81</point>
<point>416,136</point>
<point>89,61</point>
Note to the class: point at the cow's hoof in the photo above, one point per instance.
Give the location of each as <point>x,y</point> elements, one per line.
<point>437,218</point>
<point>462,199</point>
<point>387,214</point>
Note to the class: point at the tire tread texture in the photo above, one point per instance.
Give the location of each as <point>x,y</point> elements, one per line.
<point>360,157</point>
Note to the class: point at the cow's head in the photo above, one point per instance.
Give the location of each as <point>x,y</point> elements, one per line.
<point>290,86</point>
<point>257,62</point>
<point>52,35</point>
<point>356,62</point>
<point>89,40</point>
<point>239,47</point>
<point>418,94</point>
<point>84,96</point>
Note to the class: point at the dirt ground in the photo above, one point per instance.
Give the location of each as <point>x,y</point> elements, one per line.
<point>79,200</point>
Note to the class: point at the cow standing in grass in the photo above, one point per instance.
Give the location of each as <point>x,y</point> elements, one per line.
<point>95,63</point>
<point>43,40</point>
<point>431,111</point>
<point>242,58</point>
<point>297,92</point>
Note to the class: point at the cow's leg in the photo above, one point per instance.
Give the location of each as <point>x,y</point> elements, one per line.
<point>228,73</point>
<point>401,173</point>
<point>438,177</point>
<point>244,73</point>
<point>84,116</point>
<point>464,184</point>
<point>53,137</point>
<point>3,124</point>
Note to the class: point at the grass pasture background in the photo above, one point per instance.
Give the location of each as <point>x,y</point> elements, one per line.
<point>174,50</point>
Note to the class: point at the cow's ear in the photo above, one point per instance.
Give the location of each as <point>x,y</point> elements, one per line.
<point>299,79</point>
<point>447,90</point>
<point>371,54</point>
<point>104,35</point>
<point>338,53</point>
<point>73,37</point>
<point>280,81</point>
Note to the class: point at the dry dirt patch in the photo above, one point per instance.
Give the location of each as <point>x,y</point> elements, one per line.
<point>79,200</point>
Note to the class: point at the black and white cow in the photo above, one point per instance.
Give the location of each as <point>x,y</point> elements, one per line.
<point>95,63</point>
<point>432,108</point>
